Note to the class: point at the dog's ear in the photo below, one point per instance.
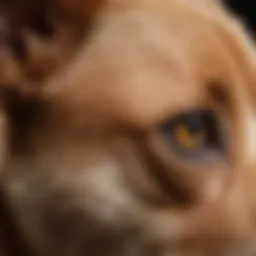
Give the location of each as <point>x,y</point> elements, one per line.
<point>81,9</point>
<point>36,38</point>
<point>17,16</point>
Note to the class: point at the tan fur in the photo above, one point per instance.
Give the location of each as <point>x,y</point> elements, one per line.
<point>79,177</point>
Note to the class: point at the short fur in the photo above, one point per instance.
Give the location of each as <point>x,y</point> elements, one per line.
<point>88,173</point>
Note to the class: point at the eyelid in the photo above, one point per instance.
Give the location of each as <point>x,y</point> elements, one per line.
<point>175,161</point>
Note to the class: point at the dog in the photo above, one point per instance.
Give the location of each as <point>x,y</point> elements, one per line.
<point>143,143</point>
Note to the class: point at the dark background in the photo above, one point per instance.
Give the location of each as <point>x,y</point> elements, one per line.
<point>246,9</point>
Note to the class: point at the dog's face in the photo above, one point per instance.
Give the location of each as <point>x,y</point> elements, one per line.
<point>145,144</point>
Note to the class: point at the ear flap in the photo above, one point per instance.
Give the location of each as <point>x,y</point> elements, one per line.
<point>82,10</point>
<point>35,40</point>
<point>18,16</point>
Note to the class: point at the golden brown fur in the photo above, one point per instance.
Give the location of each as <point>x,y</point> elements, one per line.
<point>88,172</point>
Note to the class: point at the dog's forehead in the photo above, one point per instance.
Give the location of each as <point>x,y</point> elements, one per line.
<point>140,61</point>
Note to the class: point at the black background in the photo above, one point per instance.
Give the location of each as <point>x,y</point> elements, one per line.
<point>246,9</point>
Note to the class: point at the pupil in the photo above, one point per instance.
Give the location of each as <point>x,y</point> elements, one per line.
<point>195,123</point>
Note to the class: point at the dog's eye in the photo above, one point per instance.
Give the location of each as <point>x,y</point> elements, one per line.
<point>196,134</point>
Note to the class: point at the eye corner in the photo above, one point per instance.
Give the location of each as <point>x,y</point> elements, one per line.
<point>217,90</point>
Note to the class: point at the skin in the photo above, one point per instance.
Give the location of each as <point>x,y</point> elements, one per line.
<point>89,172</point>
